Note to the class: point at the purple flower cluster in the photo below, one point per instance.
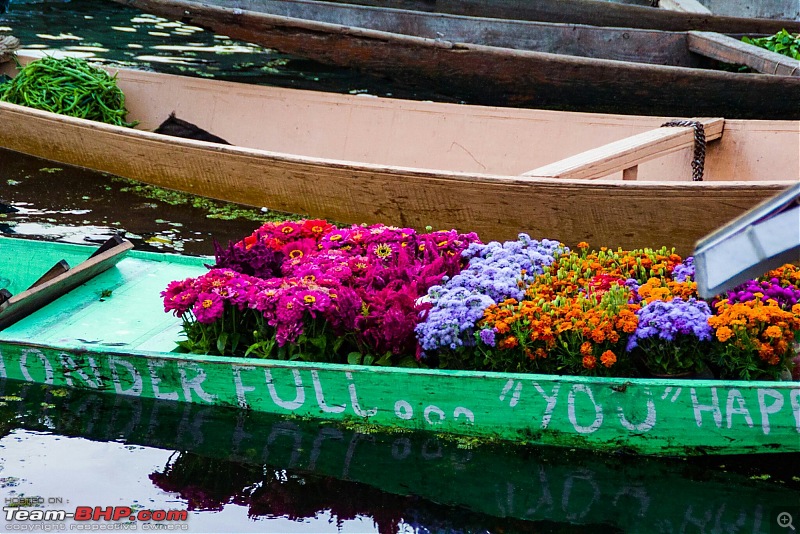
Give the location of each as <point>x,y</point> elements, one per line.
<point>670,320</point>
<point>495,272</point>
<point>786,297</point>
<point>684,270</point>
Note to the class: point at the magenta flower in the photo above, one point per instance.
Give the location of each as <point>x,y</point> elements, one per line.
<point>208,308</point>
<point>179,297</point>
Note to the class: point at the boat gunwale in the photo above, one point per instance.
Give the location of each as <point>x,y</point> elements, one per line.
<point>234,361</point>
<point>417,172</point>
<point>504,52</point>
<point>670,18</point>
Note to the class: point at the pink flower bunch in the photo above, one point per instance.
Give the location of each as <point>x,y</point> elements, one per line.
<point>362,280</point>
<point>205,295</point>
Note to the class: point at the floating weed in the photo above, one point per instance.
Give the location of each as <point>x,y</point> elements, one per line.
<point>47,405</point>
<point>60,392</point>
<point>11,398</point>
<point>51,170</point>
<point>9,482</point>
<point>214,209</point>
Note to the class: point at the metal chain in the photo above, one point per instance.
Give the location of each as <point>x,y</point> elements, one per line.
<point>699,159</point>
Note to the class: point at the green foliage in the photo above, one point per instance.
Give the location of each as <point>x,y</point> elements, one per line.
<point>782,42</point>
<point>213,208</point>
<point>68,86</point>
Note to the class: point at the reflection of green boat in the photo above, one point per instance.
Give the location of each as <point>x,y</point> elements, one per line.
<point>219,448</point>
<point>110,334</point>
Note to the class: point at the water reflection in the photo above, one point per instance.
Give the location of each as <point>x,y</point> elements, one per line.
<point>78,206</point>
<point>275,467</point>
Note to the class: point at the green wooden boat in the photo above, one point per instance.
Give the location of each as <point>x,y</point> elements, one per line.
<point>376,470</point>
<point>110,334</point>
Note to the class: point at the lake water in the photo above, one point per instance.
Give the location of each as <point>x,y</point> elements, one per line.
<point>244,472</point>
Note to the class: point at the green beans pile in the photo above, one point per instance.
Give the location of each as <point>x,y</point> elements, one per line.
<point>69,86</point>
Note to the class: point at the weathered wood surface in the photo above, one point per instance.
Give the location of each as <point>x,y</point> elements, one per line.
<point>58,269</point>
<point>788,10</point>
<point>627,153</point>
<point>520,482</point>
<point>731,16</point>
<point>356,159</point>
<point>8,45</point>
<point>684,6</point>
<point>57,282</point>
<point>492,74</point>
<point>730,50</point>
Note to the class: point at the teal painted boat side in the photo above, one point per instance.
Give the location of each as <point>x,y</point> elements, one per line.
<point>122,344</point>
<point>537,484</point>
<point>645,416</point>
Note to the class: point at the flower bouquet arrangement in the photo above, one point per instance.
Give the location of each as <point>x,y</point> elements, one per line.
<point>382,295</point>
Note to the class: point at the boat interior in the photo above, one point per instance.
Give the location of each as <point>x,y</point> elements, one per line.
<point>357,130</point>
<point>62,294</point>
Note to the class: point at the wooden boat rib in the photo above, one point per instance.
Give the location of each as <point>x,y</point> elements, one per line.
<point>728,16</point>
<point>517,63</point>
<point>365,159</point>
<point>123,344</point>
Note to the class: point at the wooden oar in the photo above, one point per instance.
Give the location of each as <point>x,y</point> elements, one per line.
<point>54,284</point>
<point>56,270</point>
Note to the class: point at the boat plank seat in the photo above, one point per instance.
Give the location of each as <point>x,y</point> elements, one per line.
<point>729,50</point>
<point>685,6</point>
<point>59,280</point>
<point>626,154</point>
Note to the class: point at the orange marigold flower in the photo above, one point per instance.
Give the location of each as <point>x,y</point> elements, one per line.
<point>501,327</point>
<point>773,331</point>
<point>724,333</point>
<point>598,336</point>
<point>766,353</point>
<point>508,343</point>
<point>589,362</point>
<point>608,358</point>
<point>586,348</point>
<point>541,353</point>
<point>583,245</point>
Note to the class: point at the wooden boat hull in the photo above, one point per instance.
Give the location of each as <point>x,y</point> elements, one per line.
<point>122,345</point>
<point>403,45</point>
<point>728,16</point>
<point>514,482</point>
<point>358,159</point>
